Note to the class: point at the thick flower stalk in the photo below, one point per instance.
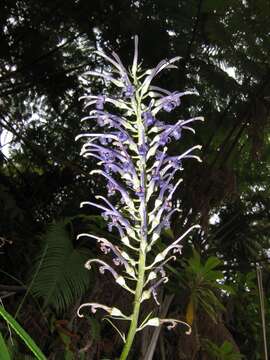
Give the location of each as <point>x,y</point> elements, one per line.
<point>130,145</point>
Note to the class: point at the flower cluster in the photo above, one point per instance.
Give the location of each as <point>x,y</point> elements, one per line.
<point>132,156</point>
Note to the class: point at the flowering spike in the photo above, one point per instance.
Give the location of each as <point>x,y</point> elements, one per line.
<point>132,152</point>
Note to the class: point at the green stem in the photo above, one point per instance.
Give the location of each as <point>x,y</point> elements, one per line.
<point>136,308</point>
<point>142,256</point>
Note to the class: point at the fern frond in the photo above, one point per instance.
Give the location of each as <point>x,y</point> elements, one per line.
<point>62,277</point>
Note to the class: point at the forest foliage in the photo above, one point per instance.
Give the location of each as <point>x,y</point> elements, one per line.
<point>225,51</point>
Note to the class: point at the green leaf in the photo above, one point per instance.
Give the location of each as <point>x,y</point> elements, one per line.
<point>62,277</point>
<point>228,288</point>
<point>95,327</point>
<point>195,262</point>
<point>22,334</point>
<point>211,263</point>
<point>3,349</point>
<point>226,347</point>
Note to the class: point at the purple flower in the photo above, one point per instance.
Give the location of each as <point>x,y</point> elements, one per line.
<point>156,176</point>
<point>148,118</point>
<point>126,166</point>
<point>100,121</point>
<point>159,155</point>
<point>103,141</point>
<point>140,191</point>
<point>169,106</point>
<point>159,124</point>
<point>170,102</point>
<point>142,149</point>
<point>168,205</point>
<point>111,188</point>
<point>164,138</point>
<point>100,102</point>
<point>153,288</point>
<point>108,156</point>
<point>128,91</point>
<point>107,168</point>
<point>122,136</point>
<point>176,163</point>
<point>177,132</point>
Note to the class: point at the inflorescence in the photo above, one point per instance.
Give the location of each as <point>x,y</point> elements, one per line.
<point>132,156</point>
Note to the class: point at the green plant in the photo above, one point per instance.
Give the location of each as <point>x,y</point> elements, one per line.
<point>61,278</point>
<point>246,319</point>
<point>222,352</point>
<point>203,281</point>
<point>14,325</point>
<point>3,349</point>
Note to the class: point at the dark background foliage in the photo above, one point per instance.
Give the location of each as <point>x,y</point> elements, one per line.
<point>224,47</point>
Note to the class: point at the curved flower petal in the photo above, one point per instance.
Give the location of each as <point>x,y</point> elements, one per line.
<point>135,57</point>
<point>156,322</point>
<point>104,266</point>
<point>161,66</point>
<point>118,66</point>
<point>121,257</point>
<point>153,290</point>
<point>123,192</point>
<point>175,245</point>
<point>113,311</point>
